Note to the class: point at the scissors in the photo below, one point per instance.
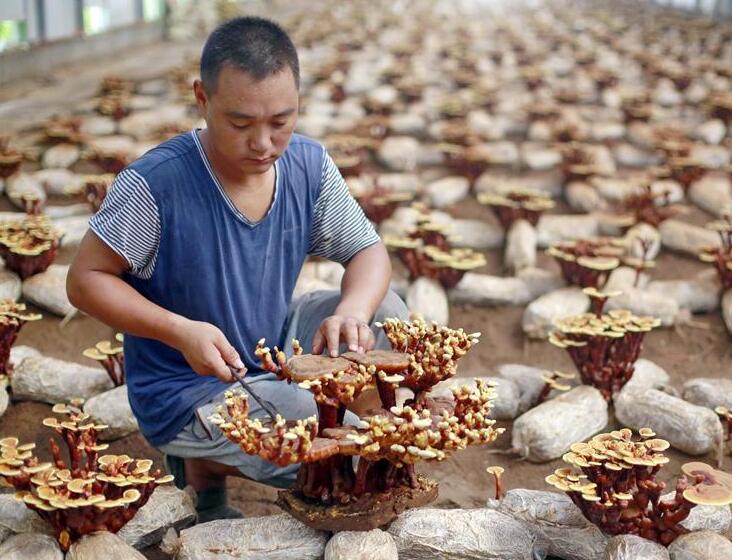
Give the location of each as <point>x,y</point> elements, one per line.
<point>267,406</point>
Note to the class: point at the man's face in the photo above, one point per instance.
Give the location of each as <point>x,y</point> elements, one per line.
<point>249,122</point>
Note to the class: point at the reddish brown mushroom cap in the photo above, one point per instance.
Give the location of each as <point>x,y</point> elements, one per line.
<point>322,448</point>
<point>384,360</point>
<point>712,487</point>
<point>307,367</point>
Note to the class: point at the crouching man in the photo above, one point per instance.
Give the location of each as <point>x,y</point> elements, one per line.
<point>195,253</point>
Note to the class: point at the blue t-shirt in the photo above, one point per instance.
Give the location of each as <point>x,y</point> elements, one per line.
<point>192,252</point>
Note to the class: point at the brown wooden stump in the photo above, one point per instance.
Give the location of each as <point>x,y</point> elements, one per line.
<point>371,511</point>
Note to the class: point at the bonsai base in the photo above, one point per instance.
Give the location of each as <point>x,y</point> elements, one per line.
<point>368,512</point>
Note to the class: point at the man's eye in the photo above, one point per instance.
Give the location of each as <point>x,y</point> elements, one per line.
<point>279,124</point>
<point>240,126</point>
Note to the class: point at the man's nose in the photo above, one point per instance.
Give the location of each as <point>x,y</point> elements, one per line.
<point>260,142</point>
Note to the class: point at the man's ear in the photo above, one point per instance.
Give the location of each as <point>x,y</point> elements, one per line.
<point>201,98</point>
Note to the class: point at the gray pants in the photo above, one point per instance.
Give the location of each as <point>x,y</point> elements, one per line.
<point>202,440</point>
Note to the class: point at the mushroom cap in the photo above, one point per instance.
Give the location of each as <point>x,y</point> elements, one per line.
<point>41,467</point>
<point>657,444</point>
<point>106,347</point>
<point>9,442</point>
<point>598,294</point>
<point>308,367</point>
<point>714,490</point>
<point>397,242</point>
<point>94,354</point>
<point>636,262</point>
<point>131,495</point>
<point>321,448</point>
<point>599,263</point>
<point>495,470</point>
<point>385,360</point>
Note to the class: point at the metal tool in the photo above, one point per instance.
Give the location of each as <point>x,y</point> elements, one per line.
<point>267,406</point>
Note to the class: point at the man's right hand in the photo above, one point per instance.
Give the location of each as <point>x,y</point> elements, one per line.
<point>206,349</point>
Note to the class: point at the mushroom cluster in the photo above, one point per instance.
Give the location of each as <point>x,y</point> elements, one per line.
<point>603,347</point>
<point>686,170</point>
<point>10,159</point>
<point>279,442</point>
<point>553,382</point>
<point>650,207</point>
<point>66,130</point>
<point>588,262</point>
<point>85,494</point>
<point>721,256</point>
<point>93,189</point>
<point>516,205</point>
<point>349,152</point>
<point>612,479</point>
<point>115,104</point>
<point>389,440</point>
<point>433,350</point>
<point>111,357</point>
<point>12,318</point>
<point>426,252</point>
<point>579,162</point>
<point>462,154</point>
<point>720,105</point>
<point>379,203</point>
<point>29,246</point>
<point>110,161</point>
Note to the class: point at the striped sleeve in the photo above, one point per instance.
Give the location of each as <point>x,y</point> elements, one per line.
<point>129,223</point>
<point>340,228</point>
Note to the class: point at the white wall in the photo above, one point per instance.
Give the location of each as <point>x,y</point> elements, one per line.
<point>12,9</point>
<point>60,18</point>
<point>121,12</point>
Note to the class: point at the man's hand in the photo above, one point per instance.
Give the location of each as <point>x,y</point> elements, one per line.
<point>356,333</point>
<point>206,349</point>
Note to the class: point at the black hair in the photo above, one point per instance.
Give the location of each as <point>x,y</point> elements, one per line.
<point>255,45</point>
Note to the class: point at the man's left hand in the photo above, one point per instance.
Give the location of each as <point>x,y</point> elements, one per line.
<point>356,333</point>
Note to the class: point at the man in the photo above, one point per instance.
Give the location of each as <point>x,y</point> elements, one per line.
<point>196,250</point>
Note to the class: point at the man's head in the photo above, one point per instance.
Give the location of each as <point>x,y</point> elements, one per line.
<point>248,92</point>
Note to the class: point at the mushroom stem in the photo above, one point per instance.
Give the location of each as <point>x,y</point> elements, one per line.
<point>327,416</point>
<point>497,472</point>
<point>387,394</point>
<point>499,487</point>
<point>362,471</point>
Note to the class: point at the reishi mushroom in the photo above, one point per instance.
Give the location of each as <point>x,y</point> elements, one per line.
<point>111,357</point>
<point>29,246</point>
<point>390,440</point>
<point>603,347</point>
<point>613,482</point>
<point>88,492</point>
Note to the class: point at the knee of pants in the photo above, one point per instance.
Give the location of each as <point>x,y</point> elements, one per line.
<point>350,419</point>
<point>392,306</point>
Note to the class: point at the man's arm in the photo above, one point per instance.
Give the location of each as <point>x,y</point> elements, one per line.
<point>342,233</point>
<point>363,287</point>
<point>94,286</point>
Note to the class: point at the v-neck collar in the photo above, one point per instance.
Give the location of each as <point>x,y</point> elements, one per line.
<point>230,203</point>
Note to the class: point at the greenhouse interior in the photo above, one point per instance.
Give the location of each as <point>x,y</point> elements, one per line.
<point>366,279</point>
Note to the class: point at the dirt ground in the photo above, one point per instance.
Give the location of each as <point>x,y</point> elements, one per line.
<point>685,352</point>
<point>701,348</point>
